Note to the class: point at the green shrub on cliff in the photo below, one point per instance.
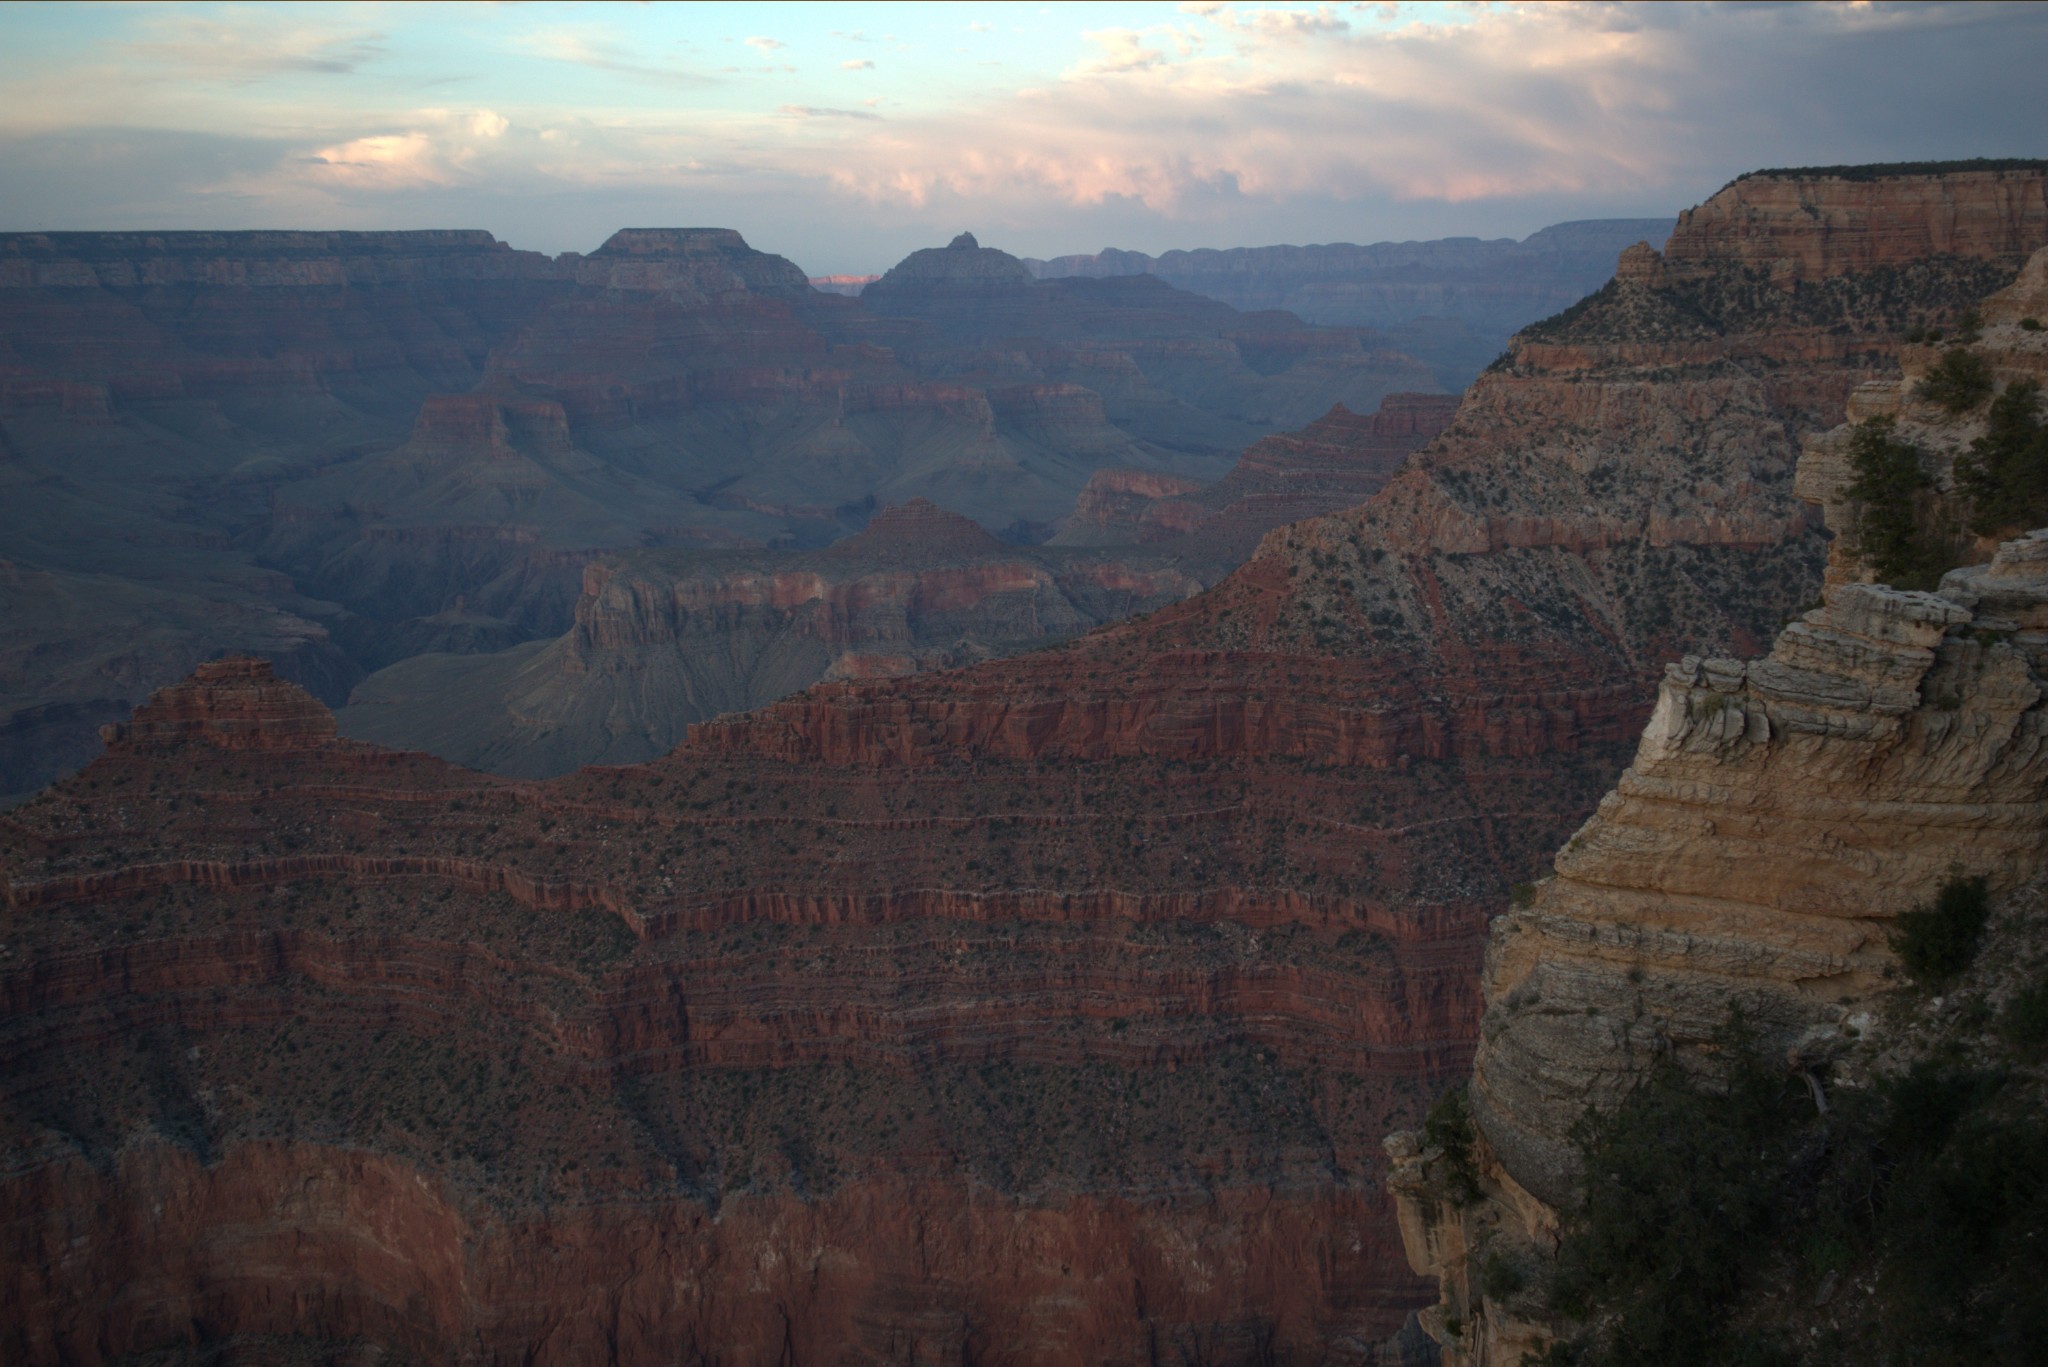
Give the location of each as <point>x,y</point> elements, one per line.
<point>1683,1182</point>
<point>1959,381</point>
<point>1448,1126</point>
<point>1894,528</point>
<point>2004,474</point>
<point>1937,941</point>
<point>1718,1220</point>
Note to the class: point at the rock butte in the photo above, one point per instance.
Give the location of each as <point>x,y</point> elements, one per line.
<point>1046,1011</point>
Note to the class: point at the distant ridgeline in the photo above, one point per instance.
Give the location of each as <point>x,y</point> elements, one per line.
<point>1453,301</point>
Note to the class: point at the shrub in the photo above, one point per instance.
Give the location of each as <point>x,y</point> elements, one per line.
<point>1683,1182</point>
<point>1937,942</point>
<point>1959,381</point>
<point>2030,324</point>
<point>2004,474</point>
<point>1448,1126</point>
<point>1501,1278</point>
<point>1699,1198</point>
<point>2025,1021</point>
<point>1890,491</point>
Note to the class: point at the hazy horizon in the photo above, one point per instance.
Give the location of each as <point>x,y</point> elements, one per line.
<point>846,136</point>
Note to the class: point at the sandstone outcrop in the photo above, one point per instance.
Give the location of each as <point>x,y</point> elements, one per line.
<point>1808,225</point>
<point>1779,814</point>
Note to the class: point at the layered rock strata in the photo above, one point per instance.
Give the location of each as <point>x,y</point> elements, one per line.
<point>1341,459</point>
<point>1779,814</point>
<point>662,640</point>
<point>1617,491</point>
<point>716,1060</point>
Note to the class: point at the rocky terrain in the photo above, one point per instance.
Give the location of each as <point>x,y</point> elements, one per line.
<point>1047,1010</point>
<point>346,449</point>
<point>1454,302</point>
<point>663,639</point>
<point>710,1057</point>
<point>1337,461</point>
<point>1617,491</point>
<point>1781,819</point>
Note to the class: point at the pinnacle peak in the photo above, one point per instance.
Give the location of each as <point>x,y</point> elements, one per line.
<point>963,243</point>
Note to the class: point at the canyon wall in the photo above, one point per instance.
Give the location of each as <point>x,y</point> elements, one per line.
<point>707,1060</point>
<point>1779,815</point>
<point>1615,492</point>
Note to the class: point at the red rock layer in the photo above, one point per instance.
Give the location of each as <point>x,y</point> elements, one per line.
<point>235,704</point>
<point>1036,1065</point>
<point>1806,227</point>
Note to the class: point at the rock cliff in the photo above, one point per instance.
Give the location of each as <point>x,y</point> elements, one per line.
<point>1779,816</point>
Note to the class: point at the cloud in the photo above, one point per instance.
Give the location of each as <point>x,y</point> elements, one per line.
<point>1213,123</point>
<point>1516,102</point>
<point>598,49</point>
<point>766,44</point>
<point>807,111</point>
<point>256,45</point>
<point>383,161</point>
<point>857,64</point>
<point>1121,49</point>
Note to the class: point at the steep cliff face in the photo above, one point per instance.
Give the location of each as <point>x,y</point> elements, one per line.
<point>705,1059</point>
<point>1800,225</point>
<point>1779,816</point>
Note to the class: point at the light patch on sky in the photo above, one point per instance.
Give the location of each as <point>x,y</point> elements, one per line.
<point>846,135</point>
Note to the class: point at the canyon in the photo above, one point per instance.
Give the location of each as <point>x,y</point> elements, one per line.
<point>664,639</point>
<point>1049,1009</point>
<point>346,449</point>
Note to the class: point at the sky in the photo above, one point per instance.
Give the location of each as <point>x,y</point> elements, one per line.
<point>845,136</point>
